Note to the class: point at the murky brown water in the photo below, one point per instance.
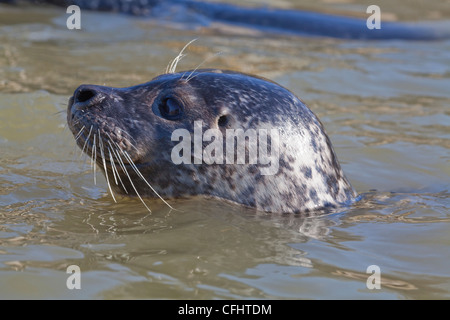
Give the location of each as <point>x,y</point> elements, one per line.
<point>384,104</point>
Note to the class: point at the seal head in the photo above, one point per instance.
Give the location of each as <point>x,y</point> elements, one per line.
<point>210,132</point>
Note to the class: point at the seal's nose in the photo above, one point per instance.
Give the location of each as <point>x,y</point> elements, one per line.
<point>87,96</point>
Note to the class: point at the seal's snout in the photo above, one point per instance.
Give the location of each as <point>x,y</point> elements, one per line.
<point>86,96</point>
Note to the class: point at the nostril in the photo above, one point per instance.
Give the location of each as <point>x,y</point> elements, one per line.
<point>88,96</point>
<point>84,95</point>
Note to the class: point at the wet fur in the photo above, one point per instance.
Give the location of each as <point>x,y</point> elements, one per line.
<point>132,144</point>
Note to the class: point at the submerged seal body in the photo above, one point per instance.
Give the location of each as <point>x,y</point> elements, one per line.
<point>210,132</point>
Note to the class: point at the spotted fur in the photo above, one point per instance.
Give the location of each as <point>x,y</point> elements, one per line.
<point>309,176</point>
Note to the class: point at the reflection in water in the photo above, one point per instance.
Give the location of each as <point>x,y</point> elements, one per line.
<point>402,207</point>
<point>385,282</point>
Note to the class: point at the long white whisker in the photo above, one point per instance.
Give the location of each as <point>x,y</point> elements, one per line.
<point>94,159</point>
<point>113,166</point>
<point>77,136</point>
<point>85,142</point>
<point>204,61</point>
<point>131,181</point>
<point>123,168</point>
<point>79,133</point>
<point>173,65</point>
<point>135,148</point>
<point>131,137</point>
<point>75,123</point>
<point>175,62</point>
<point>131,144</point>
<point>84,148</point>
<point>130,161</point>
<point>100,144</point>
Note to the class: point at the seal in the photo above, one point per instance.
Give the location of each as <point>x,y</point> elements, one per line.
<point>214,133</point>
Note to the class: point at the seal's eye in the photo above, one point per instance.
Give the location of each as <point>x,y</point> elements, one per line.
<point>171,109</point>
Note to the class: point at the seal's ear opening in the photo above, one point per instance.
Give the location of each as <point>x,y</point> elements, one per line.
<point>223,120</point>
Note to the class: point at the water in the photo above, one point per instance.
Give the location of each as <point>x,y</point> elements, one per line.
<point>384,104</point>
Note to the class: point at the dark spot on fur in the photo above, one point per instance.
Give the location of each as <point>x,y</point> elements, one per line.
<point>265,202</point>
<point>285,165</point>
<point>259,177</point>
<point>334,162</point>
<point>301,192</point>
<point>314,144</point>
<point>252,169</point>
<point>228,175</point>
<point>313,195</point>
<point>332,184</point>
<point>307,172</point>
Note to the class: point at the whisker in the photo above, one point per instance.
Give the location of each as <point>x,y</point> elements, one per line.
<point>173,65</point>
<point>111,160</point>
<point>85,142</point>
<point>100,144</point>
<point>84,148</point>
<point>83,161</point>
<point>79,133</point>
<point>58,112</point>
<point>131,144</point>
<point>131,137</point>
<point>75,154</point>
<point>116,154</point>
<point>66,125</point>
<point>94,159</point>
<point>114,166</point>
<point>130,161</point>
<point>204,61</point>
<point>131,181</point>
<point>175,62</point>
